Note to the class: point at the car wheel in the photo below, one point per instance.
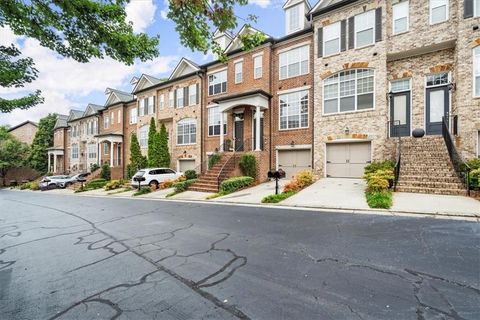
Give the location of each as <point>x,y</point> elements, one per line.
<point>66,185</point>
<point>153,183</point>
<point>52,186</point>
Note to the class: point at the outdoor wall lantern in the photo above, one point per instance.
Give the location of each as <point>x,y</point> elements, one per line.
<point>347,131</point>
<point>292,144</point>
<point>452,86</point>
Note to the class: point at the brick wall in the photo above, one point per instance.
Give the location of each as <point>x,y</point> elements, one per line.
<point>25,133</point>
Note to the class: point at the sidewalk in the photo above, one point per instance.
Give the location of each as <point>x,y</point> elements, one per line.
<point>254,194</point>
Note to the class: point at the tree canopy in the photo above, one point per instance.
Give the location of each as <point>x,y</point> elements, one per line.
<point>38,159</point>
<point>163,153</point>
<point>137,161</point>
<point>13,153</point>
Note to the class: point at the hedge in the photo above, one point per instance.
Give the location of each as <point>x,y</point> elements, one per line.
<point>183,186</point>
<point>276,198</point>
<point>248,164</point>
<point>234,184</point>
<point>190,174</point>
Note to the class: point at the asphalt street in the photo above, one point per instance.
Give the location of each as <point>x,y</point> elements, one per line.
<point>72,257</point>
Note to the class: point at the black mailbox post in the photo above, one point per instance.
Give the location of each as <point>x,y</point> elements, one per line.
<point>272,174</point>
<point>139,180</point>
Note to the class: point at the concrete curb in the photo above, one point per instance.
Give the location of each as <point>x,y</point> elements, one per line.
<point>438,215</point>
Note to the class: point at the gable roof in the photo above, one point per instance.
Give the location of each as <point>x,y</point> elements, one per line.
<point>22,124</point>
<point>115,96</point>
<point>236,43</point>
<point>324,6</point>
<point>143,82</point>
<point>291,3</point>
<point>61,121</point>
<point>184,67</point>
<point>92,109</point>
<point>74,114</point>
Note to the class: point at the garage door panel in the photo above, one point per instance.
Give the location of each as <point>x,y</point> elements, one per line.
<point>347,160</point>
<point>359,152</point>
<point>184,165</point>
<point>294,161</point>
<point>339,170</point>
<point>337,153</point>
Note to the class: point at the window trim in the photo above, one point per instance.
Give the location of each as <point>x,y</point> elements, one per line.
<point>192,102</point>
<point>162,101</point>
<point>255,57</point>
<point>289,50</point>
<point>447,12</point>
<point>225,123</point>
<point>94,152</point>
<point>308,110</point>
<point>474,61</point>
<point>143,129</point>
<point>188,121</point>
<point>338,24</point>
<point>407,3</point>
<point>180,95</point>
<point>132,115</point>
<point>75,147</point>
<point>476,11</point>
<point>299,14</point>
<point>356,30</point>
<point>238,63</point>
<point>226,82</point>
<point>351,111</point>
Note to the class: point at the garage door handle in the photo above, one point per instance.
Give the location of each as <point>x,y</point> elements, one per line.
<point>369,161</point>
<point>329,161</point>
<point>347,161</point>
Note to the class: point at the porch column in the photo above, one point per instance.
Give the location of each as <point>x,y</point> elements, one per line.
<point>221,132</point>
<point>54,163</point>
<point>49,155</point>
<point>257,128</point>
<point>111,153</point>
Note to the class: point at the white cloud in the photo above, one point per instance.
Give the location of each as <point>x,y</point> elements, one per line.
<point>141,13</point>
<point>260,3</point>
<point>164,11</point>
<point>65,83</point>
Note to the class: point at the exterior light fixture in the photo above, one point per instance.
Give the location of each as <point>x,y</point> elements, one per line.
<point>347,131</point>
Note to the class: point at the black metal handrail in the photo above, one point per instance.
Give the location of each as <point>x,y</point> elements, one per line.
<point>396,169</point>
<point>459,165</point>
<point>222,174</point>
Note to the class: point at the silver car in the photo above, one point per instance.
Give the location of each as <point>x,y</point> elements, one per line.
<point>53,182</point>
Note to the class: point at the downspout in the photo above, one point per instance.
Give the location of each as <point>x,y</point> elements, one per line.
<point>270,160</point>
<point>202,100</point>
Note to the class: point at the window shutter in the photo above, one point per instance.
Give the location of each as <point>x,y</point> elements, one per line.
<point>198,94</point>
<point>320,42</point>
<point>343,35</point>
<point>467,9</point>
<point>378,24</point>
<point>351,32</point>
<point>185,96</point>
<point>175,98</point>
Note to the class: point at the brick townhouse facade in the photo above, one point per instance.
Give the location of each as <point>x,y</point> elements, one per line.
<point>58,159</point>
<point>335,93</point>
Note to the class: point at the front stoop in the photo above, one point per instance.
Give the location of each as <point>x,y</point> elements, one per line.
<point>426,168</point>
<point>208,182</point>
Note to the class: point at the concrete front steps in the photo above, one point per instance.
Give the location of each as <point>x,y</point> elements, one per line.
<point>426,168</point>
<point>209,181</point>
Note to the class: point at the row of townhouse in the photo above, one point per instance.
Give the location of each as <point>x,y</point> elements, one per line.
<point>335,93</point>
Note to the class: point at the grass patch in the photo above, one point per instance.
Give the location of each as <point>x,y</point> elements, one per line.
<point>92,185</point>
<point>142,190</point>
<point>276,198</point>
<point>171,194</point>
<point>379,199</point>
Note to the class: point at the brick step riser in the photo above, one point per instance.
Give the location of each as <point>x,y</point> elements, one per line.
<point>436,185</point>
<point>432,191</point>
<point>428,178</point>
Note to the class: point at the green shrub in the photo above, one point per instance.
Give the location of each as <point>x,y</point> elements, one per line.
<point>375,166</point>
<point>475,178</point>
<point>142,190</point>
<point>276,198</point>
<point>183,186</point>
<point>377,184</point>
<point>213,159</point>
<point>114,184</point>
<point>190,174</point>
<point>234,184</point>
<point>92,185</point>
<point>25,186</point>
<point>474,164</point>
<point>94,167</point>
<point>381,200</point>
<point>34,185</point>
<point>248,164</point>
<point>105,173</point>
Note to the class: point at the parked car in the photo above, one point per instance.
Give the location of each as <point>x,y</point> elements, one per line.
<point>80,177</point>
<point>53,182</point>
<point>153,176</point>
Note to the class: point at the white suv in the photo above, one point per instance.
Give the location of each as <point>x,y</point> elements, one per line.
<point>154,176</point>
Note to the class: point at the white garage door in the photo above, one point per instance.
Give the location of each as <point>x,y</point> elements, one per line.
<point>184,165</point>
<point>294,161</point>
<point>347,160</point>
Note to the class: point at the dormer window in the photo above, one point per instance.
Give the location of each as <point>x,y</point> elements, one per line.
<point>293,18</point>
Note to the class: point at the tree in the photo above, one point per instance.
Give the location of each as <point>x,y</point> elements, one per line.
<point>13,153</point>
<point>80,29</point>
<point>106,172</point>
<point>137,161</point>
<point>16,73</point>
<point>38,159</point>
<point>152,132</point>
<point>164,155</point>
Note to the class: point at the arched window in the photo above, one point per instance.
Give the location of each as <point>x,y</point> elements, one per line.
<point>347,91</point>
<point>187,131</point>
<point>143,136</point>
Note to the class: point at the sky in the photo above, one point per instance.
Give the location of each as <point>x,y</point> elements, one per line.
<point>67,84</point>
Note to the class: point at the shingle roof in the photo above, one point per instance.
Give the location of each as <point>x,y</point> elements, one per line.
<point>61,121</point>
<point>122,95</point>
<point>23,123</point>
<point>326,5</point>
<point>96,107</point>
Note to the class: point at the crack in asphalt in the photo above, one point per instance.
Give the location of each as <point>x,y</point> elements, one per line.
<point>196,287</point>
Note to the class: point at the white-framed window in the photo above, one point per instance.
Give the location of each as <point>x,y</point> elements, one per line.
<point>141,107</point>
<point>294,110</point>
<point>437,79</point>
<point>239,72</point>
<point>92,150</point>
<point>214,121</point>
<point>106,121</point>
<point>180,98</point>
<point>365,29</point>
<point>400,85</point>
<point>106,148</point>
<point>119,116</point>
<point>95,126</point>
<point>143,141</point>
<point>217,82</point>
<point>478,144</point>
<point>112,117</point>
<point>331,39</point>
<point>294,18</point>
<point>258,67</point>
<point>350,90</point>
<point>438,11</point>
<point>476,72</point>
<point>162,101</point>
<point>133,116</point>
<point>150,105</point>
<point>74,151</point>
<point>170,99</point>
<point>400,18</point>
<point>187,131</point>
<point>192,95</point>
<point>294,62</point>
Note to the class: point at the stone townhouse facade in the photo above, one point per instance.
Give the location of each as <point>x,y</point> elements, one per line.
<point>384,68</point>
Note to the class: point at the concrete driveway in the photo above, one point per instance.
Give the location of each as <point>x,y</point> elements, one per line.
<point>338,193</point>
